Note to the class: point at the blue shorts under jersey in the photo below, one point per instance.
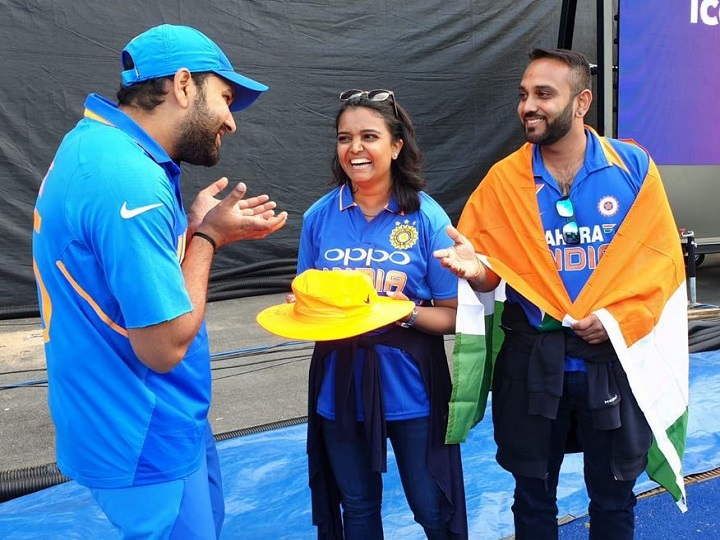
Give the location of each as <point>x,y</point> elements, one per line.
<point>108,238</point>
<point>396,250</point>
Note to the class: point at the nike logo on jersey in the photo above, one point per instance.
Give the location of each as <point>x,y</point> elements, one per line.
<point>127,213</point>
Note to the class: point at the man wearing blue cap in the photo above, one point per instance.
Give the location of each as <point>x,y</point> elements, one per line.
<point>122,274</point>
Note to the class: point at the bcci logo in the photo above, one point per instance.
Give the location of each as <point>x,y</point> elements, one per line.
<point>404,235</point>
<point>608,206</point>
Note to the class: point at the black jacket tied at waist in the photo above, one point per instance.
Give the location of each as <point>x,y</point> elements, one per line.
<point>345,408</point>
<point>528,385</point>
<point>443,460</point>
<point>547,367</point>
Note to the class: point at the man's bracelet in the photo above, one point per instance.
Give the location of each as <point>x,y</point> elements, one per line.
<point>208,238</point>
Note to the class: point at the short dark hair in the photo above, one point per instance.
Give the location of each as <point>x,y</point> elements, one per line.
<point>149,94</point>
<point>406,170</point>
<point>146,95</point>
<point>580,76</point>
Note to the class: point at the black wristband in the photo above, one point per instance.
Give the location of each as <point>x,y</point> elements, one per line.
<point>208,238</point>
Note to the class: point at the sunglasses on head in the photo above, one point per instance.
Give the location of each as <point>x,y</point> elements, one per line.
<point>378,94</point>
<point>570,231</point>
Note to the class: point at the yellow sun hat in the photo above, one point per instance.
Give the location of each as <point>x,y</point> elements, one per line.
<point>331,305</point>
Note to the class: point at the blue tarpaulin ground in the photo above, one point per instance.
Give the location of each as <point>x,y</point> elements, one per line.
<point>657,517</point>
<point>267,496</point>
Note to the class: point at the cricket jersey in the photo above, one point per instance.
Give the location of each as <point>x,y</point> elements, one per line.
<point>637,289</point>
<point>108,241</point>
<point>601,195</point>
<point>396,250</point>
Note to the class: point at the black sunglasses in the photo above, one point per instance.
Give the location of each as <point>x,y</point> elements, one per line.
<point>570,231</point>
<point>378,94</point>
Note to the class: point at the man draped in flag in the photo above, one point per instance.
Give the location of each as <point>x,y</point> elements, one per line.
<point>595,354</point>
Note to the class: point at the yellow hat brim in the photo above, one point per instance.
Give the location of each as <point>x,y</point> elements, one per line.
<point>282,320</point>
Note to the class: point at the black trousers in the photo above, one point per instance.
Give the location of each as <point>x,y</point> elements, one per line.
<point>612,501</point>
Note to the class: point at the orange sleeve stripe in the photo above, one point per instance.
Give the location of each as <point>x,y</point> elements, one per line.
<point>37,221</point>
<point>46,303</point>
<point>100,313</point>
<point>182,244</point>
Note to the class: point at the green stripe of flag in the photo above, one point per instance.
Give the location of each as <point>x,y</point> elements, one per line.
<point>472,366</point>
<point>659,469</point>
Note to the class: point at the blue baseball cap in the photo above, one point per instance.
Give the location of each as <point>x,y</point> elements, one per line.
<point>164,49</point>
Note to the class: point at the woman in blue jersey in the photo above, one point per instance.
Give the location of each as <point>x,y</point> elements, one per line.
<point>392,383</point>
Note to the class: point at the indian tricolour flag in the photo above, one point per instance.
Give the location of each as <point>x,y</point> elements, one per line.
<point>637,291</point>
<point>477,340</point>
<point>657,368</point>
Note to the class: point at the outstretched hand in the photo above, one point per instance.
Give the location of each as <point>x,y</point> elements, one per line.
<point>203,203</point>
<point>460,259</point>
<point>233,217</point>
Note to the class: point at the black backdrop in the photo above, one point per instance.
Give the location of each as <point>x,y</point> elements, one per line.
<point>454,64</point>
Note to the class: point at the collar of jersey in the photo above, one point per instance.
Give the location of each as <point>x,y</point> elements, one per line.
<point>347,201</point>
<point>595,158</point>
<point>103,110</point>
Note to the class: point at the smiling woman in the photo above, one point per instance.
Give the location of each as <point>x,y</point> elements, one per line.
<point>365,150</point>
<point>378,220</point>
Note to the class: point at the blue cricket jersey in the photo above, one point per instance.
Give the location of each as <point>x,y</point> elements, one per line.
<point>601,195</point>
<point>396,251</point>
<point>108,240</point>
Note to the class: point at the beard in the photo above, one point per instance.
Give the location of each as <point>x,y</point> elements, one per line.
<point>555,130</point>
<point>198,133</point>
